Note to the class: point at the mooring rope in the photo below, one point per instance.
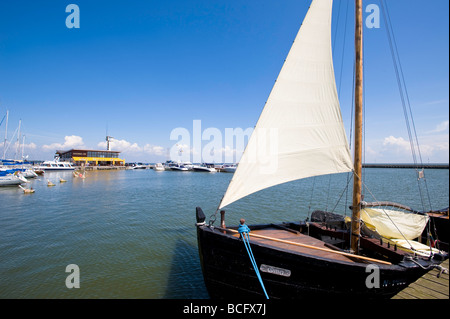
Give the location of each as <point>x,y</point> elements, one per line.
<point>244,231</point>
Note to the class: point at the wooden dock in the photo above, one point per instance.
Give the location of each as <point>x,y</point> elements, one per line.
<point>427,287</point>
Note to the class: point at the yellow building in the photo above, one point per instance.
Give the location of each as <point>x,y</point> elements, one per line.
<point>91,157</point>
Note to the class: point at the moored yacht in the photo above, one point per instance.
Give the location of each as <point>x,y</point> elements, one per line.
<point>179,167</point>
<point>12,180</point>
<point>55,165</point>
<point>228,168</point>
<point>209,168</point>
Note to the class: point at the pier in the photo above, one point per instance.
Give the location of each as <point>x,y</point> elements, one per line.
<point>99,168</point>
<point>427,287</point>
<point>401,165</point>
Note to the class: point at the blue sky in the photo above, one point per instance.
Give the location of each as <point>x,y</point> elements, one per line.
<point>141,69</point>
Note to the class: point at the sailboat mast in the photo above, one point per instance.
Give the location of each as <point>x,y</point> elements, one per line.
<point>358,126</point>
<point>6,133</point>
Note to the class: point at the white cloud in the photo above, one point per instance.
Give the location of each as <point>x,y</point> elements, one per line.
<point>121,145</point>
<point>70,142</point>
<point>436,102</point>
<point>441,127</point>
<point>398,143</point>
<point>30,146</point>
<point>134,151</point>
<point>433,149</point>
<point>154,150</point>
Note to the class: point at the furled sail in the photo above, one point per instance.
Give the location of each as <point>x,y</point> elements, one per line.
<point>398,228</point>
<point>394,224</point>
<point>300,132</point>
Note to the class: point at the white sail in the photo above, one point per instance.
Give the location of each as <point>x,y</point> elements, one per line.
<point>300,132</point>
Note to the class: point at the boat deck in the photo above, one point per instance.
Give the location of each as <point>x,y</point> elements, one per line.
<point>280,234</point>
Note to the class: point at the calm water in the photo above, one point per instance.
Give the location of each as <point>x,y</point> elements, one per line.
<point>132,232</point>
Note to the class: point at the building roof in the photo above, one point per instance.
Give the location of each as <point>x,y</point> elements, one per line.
<point>84,150</point>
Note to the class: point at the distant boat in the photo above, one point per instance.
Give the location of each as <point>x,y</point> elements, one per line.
<point>27,190</point>
<point>29,173</point>
<point>79,174</point>
<point>12,180</point>
<point>39,171</point>
<point>209,168</point>
<point>188,165</point>
<point>179,167</point>
<point>55,165</point>
<point>159,167</point>
<point>228,168</point>
<point>138,166</point>
<point>12,166</point>
<point>167,165</point>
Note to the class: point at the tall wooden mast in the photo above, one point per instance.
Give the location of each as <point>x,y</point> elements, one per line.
<point>358,126</point>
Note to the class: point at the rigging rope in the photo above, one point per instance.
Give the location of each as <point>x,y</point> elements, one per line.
<point>405,103</point>
<point>244,232</point>
<point>339,83</point>
<point>401,233</point>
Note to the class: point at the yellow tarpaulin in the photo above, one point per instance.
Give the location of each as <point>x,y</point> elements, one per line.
<point>394,224</point>
<point>399,228</point>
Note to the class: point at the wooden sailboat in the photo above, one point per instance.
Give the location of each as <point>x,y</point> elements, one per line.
<point>301,133</point>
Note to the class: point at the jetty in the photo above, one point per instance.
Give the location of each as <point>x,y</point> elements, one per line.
<point>430,286</point>
<point>99,168</point>
<point>400,165</point>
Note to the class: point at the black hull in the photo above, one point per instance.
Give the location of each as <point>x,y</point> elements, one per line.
<point>229,274</point>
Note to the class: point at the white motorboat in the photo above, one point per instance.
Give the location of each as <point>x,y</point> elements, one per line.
<point>159,167</point>
<point>12,180</point>
<point>228,168</point>
<point>55,165</point>
<point>28,173</point>
<point>179,167</point>
<point>209,168</point>
<point>138,166</point>
<point>188,165</point>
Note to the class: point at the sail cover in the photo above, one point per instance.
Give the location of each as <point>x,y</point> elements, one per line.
<point>300,132</point>
<point>394,224</point>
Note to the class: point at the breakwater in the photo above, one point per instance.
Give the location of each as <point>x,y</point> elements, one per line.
<point>402,165</point>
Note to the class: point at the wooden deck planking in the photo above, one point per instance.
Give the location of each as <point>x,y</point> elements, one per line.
<point>428,286</point>
<point>298,238</point>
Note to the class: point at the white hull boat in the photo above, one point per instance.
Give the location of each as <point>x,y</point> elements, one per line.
<point>209,168</point>
<point>12,180</point>
<point>179,168</point>
<point>228,168</point>
<point>56,165</point>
